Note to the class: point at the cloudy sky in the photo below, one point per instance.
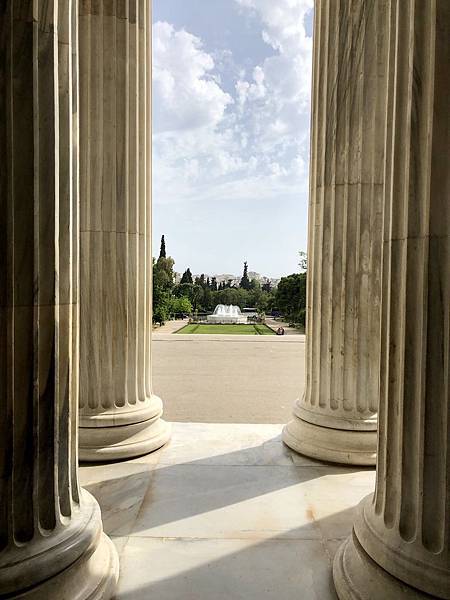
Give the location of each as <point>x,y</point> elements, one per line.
<point>231,103</point>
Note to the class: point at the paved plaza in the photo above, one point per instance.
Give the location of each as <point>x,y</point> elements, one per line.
<point>224,512</point>
<point>228,379</point>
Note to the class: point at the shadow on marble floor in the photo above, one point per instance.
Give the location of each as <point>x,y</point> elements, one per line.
<point>226,512</point>
<point>188,491</point>
<point>275,569</point>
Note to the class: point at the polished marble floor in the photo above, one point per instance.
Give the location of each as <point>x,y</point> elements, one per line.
<point>224,512</point>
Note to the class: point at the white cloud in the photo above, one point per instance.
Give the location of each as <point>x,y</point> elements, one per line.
<point>286,75</point>
<point>186,94</point>
<point>211,147</point>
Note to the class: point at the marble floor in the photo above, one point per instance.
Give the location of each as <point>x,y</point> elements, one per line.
<point>224,512</point>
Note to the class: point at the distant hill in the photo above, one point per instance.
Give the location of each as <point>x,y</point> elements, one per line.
<point>235,280</point>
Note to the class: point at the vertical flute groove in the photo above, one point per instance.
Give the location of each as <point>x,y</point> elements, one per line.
<point>44,528</point>
<point>114,206</point>
<point>345,236</point>
<point>119,415</point>
<point>406,529</point>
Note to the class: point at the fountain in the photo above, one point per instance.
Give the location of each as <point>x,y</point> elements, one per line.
<point>227,314</point>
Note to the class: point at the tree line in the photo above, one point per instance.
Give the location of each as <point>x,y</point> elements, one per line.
<point>202,294</point>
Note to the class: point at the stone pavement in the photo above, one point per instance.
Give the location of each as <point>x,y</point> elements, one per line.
<point>228,378</point>
<point>226,512</point>
<point>171,326</point>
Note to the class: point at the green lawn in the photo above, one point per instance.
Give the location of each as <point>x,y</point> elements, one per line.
<point>227,329</point>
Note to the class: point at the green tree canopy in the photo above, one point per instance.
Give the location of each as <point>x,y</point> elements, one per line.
<point>230,295</point>
<point>163,278</point>
<point>180,305</point>
<point>200,280</point>
<point>290,297</point>
<point>163,274</point>
<point>183,289</point>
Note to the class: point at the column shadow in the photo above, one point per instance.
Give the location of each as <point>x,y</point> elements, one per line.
<point>139,497</point>
<point>265,569</point>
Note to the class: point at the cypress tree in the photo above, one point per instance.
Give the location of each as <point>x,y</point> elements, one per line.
<point>245,281</point>
<point>162,251</point>
<point>187,276</point>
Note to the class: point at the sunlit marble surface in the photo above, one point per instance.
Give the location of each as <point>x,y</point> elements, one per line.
<point>226,511</point>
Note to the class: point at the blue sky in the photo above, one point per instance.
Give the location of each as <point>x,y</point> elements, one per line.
<point>231,112</point>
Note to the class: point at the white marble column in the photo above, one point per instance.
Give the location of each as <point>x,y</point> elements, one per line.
<point>336,420</point>
<point>400,547</point>
<point>51,541</point>
<point>119,415</point>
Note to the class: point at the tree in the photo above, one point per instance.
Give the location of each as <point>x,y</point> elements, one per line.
<point>163,277</point>
<point>197,297</point>
<point>187,277</point>
<point>183,289</point>
<point>254,294</point>
<point>161,305</point>
<point>162,250</point>
<point>180,305</point>
<point>262,305</point>
<point>290,297</point>
<point>208,299</point>
<point>214,284</point>
<point>245,281</point>
<point>163,274</point>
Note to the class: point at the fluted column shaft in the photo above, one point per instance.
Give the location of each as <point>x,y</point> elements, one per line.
<point>405,527</point>
<point>119,415</point>
<point>51,540</point>
<point>337,417</point>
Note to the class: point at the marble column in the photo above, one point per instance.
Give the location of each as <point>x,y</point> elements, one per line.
<point>336,419</point>
<point>400,546</point>
<point>120,417</point>
<point>51,541</point>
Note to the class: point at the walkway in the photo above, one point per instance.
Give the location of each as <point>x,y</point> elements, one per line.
<point>275,323</point>
<point>171,326</point>
<point>228,378</point>
<point>226,512</point>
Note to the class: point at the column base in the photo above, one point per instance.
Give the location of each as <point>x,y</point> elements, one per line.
<point>408,561</point>
<point>93,576</point>
<point>122,441</point>
<point>344,446</point>
<point>357,577</point>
